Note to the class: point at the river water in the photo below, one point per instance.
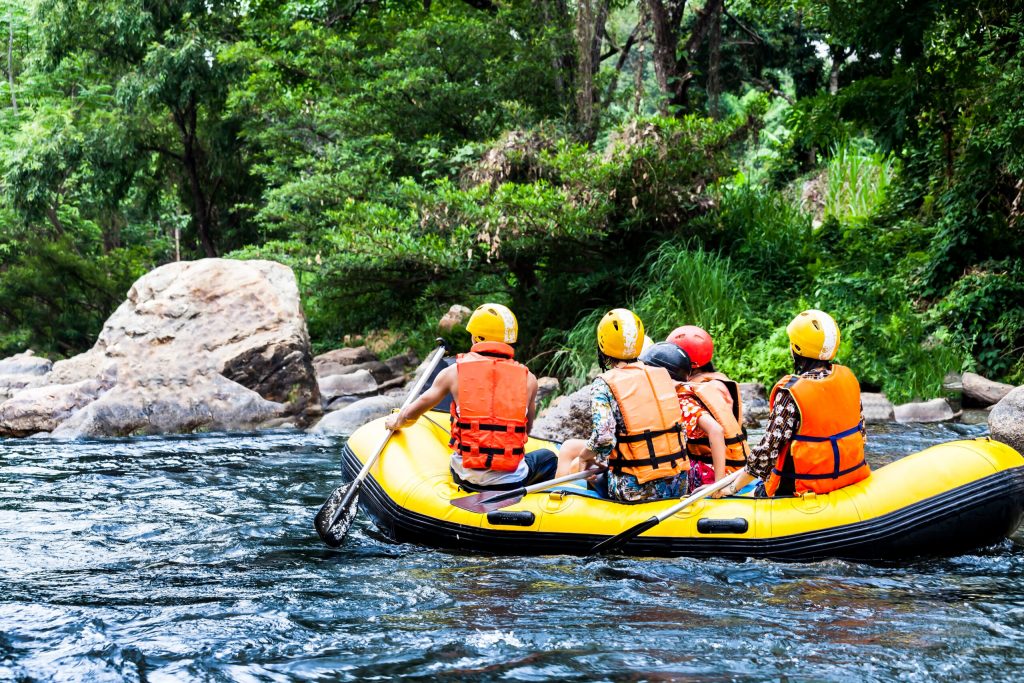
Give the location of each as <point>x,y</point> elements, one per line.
<point>193,559</point>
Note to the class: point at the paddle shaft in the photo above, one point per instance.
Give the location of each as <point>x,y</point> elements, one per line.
<point>353,488</point>
<point>520,492</point>
<point>634,531</point>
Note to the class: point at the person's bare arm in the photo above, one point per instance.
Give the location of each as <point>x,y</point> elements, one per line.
<point>531,403</point>
<point>716,437</point>
<point>427,400</point>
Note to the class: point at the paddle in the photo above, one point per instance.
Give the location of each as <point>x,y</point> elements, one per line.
<point>486,501</point>
<point>338,511</point>
<point>616,542</point>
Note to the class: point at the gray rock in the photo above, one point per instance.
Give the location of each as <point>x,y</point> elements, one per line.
<point>935,410</point>
<point>355,415</point>
<point>401,363</point>
<point>1006,421</point>
<point>207,344</point>
<point>755,402</point>
<point>342,357</point>
<point>876,408</point>
<point>381,372</point>
<point>42,409</point>
<point>546,386</point>
<point>981,392</point>
<point>567,417</point>
<point>456,315</point>
<point>358,384</point>
<point>953,382</point>
<point>25,363</point>
<point>157,405</point>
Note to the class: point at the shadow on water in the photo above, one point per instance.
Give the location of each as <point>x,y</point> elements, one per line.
<point>193,558</point>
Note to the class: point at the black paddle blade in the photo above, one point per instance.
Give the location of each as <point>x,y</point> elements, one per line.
<point>487,501</point>
<point>333,533</point>
<point>615,542</point>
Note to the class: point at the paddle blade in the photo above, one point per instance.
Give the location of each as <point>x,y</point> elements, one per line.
<point>341,507</point>
<point>616,542</point>
<point>487,501</point>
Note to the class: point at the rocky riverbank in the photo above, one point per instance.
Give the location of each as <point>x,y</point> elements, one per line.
<point>223,344</point>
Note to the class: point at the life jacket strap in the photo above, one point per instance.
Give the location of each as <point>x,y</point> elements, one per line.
<point>705,441</point>
<point>834,437</point>
<point>485,427</point>
<point>830,475</point>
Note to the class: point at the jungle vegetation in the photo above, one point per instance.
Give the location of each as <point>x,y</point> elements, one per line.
<point>720,163</point>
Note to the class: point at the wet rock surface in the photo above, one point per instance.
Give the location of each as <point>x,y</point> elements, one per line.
<point>568,417</point>
<point>352,416</point>
<point>1006,421</point>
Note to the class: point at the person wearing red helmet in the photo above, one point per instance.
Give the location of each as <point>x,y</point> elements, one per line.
<point>720,396</point>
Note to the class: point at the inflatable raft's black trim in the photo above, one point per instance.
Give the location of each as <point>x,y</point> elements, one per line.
<point>967,518</point>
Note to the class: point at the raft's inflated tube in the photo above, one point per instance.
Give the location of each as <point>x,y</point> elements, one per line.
<point>946,500</point>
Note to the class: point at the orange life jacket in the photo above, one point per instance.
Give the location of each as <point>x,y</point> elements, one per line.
<point>827,452</point>
<point>651,447</point>
<point>489,422</point>
<point>729,416</point>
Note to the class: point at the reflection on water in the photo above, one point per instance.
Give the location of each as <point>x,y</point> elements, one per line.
<point>193,558</point>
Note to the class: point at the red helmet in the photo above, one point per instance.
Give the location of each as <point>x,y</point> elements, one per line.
<point>695,341</point>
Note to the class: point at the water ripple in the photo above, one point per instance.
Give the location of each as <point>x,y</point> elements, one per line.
<point>192,558</point>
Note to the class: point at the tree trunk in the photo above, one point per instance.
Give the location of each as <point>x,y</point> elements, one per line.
<point>10,59</point>
<point>715,61</point>
<point>665,18</point>
<point>838,55</point>
<point>192,162</point>
<point>585,16</point>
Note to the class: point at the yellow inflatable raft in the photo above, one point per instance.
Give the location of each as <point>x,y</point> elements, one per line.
<point>946,500</point>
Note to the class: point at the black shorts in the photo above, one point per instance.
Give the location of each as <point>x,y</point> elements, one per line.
<point>541,463</point>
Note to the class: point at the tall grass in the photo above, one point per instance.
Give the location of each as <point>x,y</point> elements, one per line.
<point>858,181</point>
<point>679,284</point>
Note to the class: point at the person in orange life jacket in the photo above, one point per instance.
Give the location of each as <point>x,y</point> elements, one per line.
<point>717,395</point>
<point>697,421</point>
<point>494,402</point>
<point>814,441</point>
<point>636,420</point>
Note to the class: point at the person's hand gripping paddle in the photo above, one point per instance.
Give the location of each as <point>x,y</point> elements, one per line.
<point>338,511</point>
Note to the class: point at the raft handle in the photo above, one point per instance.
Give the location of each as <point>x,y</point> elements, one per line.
<point>722,526</point>
<point>516,518</point>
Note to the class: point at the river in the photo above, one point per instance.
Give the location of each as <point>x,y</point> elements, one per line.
<point>193,559</point>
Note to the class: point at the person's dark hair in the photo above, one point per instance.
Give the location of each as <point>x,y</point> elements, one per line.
<point>802,365</point>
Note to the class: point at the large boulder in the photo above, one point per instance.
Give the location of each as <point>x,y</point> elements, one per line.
<point>351,417</point>
<point>935,410</point>
<point>204,344</point>
<point>567,417</point>
<point>1006,421</point>
<point>981,392</point>
<point>876,408</point>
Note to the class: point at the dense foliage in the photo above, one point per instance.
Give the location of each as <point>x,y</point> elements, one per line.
<point>723,164</point>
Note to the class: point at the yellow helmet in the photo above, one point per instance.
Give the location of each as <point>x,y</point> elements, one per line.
<point>493,323</point>
<point>620,334</point>
<point>814,334</point>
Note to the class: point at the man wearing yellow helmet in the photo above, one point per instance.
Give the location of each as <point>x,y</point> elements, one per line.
<point>636,417</point>
<point>492,411</point>
<point>815,436</point>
